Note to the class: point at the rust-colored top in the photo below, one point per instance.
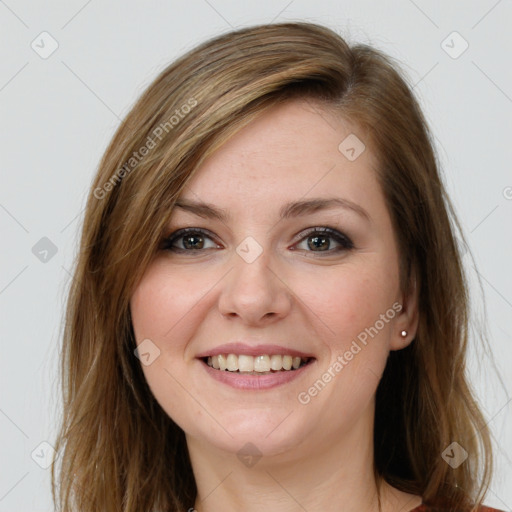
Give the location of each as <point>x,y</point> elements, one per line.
<point>426,508</point>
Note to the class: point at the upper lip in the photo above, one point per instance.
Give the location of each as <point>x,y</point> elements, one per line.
<point>240,348</point>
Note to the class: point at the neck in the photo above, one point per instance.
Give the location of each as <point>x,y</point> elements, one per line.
<point>336,474</point>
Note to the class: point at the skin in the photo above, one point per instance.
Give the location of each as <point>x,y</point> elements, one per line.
<point>314,456</point>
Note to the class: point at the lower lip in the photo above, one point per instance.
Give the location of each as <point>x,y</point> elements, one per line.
<point>256,382</point>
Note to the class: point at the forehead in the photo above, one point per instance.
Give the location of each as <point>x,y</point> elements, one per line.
<point>291,150</point>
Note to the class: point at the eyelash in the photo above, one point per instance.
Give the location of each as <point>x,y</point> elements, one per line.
<point>340,238</point>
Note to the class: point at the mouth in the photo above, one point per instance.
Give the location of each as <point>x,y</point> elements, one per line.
<point>264,364</point>
<point>255,369</point>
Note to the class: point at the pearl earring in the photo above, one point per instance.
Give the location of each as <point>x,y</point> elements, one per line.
<point>404,334</point>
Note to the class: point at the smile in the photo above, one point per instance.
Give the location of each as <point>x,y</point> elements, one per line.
<point>262,364</point>
<point>256,373</point>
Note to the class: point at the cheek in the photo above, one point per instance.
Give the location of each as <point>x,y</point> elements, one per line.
<point>349,303</point>
<point>164,309</point>
<point>356,308</point>
<point>163,305</point>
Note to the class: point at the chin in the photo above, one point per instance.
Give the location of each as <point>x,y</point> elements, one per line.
<point>268,435</point>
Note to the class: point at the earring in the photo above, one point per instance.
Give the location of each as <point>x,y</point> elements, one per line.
<point>404,334</point>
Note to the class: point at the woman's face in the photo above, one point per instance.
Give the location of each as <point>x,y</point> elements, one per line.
<point>289,252</point>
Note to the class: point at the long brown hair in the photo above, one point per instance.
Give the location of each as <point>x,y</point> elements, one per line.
<point>119,451</point>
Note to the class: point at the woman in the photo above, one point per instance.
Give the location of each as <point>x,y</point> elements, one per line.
<point>269,310</point>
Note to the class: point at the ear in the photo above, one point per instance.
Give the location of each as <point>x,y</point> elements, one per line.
<point>407,319</point>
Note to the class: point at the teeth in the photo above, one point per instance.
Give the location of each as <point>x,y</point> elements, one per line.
<point>245,363</point>
<point>232,362</point>
<point>249,364</point>
<point>262,364</point>
<point>223,365</point>
<point>276,362</point>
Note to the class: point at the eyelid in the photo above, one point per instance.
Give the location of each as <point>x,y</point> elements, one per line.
<point>320,229</point>
<point>344,241</point>
<point>168,240</point>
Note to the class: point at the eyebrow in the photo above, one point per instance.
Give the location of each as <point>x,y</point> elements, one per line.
<point>293,209</point>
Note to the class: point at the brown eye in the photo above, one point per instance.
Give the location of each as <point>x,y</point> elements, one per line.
<point>322,243</point>
<point>192,241</point>
<point>323,240</point>
<point>188,240</point>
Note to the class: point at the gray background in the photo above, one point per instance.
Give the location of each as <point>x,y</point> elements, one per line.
<point>58,113</point>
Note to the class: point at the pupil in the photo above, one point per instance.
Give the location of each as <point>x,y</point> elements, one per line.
<point>319,242</point>
<point>193,242</point>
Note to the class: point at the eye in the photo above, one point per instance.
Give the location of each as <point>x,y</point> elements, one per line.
<point>322,239</point>
<point>318,240</point>
<point>188,240</point>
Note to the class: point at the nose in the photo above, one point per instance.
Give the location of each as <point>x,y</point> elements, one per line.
<point>254,292</point>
